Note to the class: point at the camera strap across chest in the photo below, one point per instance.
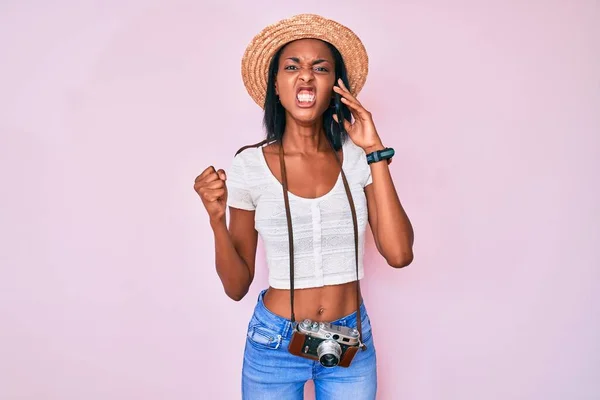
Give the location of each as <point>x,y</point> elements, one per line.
<point>291,233</point>
<point>291,236</point>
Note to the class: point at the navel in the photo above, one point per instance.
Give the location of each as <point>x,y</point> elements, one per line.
<point>321,310</point>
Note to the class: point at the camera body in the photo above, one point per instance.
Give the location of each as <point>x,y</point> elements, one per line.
<point>331,345</point>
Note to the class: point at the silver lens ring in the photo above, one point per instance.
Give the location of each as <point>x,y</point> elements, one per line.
<point>329,352</point>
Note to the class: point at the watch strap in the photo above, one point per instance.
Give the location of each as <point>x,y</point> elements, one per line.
<point>380,155</point>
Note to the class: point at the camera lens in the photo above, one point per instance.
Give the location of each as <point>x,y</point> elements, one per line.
<point>328,360</point>
<point>329,352</point>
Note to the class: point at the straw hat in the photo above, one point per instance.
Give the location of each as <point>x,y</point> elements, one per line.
<point>260,51</point>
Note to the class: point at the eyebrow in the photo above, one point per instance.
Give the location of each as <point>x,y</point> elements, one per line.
<point>319,61</point>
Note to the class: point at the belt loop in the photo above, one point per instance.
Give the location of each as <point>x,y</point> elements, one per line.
<point>286,329</point>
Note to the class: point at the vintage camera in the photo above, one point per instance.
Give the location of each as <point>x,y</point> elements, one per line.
<point>331,345</point>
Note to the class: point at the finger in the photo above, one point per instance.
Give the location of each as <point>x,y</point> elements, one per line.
<point>350,100</point>
<point>357,110</point>
<point>343,90</point>
<point>347,124</point>
<point>205,173</point>
<point>214,194</point>
<point>352,107</point>
<point>342,84</point>
<point>218,184</point>
<point>211,177</point>
<point>344,93</point>
<point>222,175</point>
<point>200,183</point>
<point>202,187</point>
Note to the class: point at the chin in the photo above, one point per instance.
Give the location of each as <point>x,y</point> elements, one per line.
<point>306,115</point>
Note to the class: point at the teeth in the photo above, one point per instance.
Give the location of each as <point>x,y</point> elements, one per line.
<point>304,97</point>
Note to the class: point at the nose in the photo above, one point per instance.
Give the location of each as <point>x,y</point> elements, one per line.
<point>306,74</point>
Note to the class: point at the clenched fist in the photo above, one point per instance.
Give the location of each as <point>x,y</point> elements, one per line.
<point>210,186</point>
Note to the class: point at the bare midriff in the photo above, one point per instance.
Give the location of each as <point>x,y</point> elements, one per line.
<point>326,303</point>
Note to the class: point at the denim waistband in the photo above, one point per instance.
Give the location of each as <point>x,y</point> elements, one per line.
<point>285,326</point>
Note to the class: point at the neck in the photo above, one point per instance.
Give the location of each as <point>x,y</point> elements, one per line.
<point>305,139</point>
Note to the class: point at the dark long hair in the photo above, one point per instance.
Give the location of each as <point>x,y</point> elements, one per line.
<point>274,117</point>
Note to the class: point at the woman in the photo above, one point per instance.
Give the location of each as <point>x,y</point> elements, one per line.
<point>309,190</point>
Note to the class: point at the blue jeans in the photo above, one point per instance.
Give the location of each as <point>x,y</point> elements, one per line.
<point>270,371</point>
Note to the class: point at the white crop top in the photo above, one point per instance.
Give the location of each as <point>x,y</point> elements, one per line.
<point>322,227</point>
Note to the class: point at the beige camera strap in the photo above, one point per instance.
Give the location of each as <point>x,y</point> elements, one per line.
<point>291,237</point>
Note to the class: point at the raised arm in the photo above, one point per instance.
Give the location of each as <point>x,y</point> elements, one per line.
<point>392,230</point>
<point>235,248</point>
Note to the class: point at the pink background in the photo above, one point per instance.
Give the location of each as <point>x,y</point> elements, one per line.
<point>109,110</point>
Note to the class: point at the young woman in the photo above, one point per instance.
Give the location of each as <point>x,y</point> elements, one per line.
<point>309,190</point>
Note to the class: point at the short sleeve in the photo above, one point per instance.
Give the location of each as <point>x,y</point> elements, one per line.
<point>365,168</point>
<point>239,194</point>
<point>369,178</point>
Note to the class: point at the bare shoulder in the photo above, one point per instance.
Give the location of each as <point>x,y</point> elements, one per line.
<point>271,148</point>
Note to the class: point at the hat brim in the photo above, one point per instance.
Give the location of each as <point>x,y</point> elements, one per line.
<point>262,48</point>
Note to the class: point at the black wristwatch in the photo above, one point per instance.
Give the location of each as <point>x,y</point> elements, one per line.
<point>380,155</point>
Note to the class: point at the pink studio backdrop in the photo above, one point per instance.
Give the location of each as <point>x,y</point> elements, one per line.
<point>109,110</point>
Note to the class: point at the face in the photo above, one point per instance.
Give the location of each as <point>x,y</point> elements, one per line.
<point>305,79</point>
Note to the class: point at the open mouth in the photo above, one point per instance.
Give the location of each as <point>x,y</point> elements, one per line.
<point>305,97</point>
